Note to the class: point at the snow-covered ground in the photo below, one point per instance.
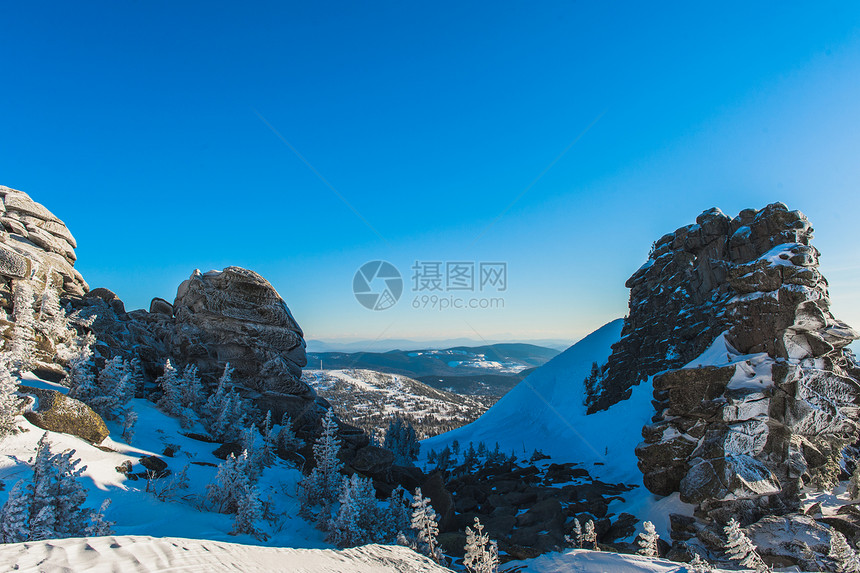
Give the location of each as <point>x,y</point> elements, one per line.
<point>133,554</point>
<point>138,512</point>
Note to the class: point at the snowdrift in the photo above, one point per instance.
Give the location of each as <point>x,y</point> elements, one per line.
<point>132,553</point>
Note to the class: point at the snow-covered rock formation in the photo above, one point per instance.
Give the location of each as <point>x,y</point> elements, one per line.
<point>755,396</point>
<point>34,242</point>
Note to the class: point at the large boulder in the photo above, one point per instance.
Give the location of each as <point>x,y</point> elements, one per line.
<point>237,316</point>
<point>57,412</point>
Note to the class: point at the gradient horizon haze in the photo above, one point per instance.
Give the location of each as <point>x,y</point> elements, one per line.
<point>304,140</point>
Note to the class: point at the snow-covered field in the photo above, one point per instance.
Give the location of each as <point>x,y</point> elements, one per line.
<point>139,554</point>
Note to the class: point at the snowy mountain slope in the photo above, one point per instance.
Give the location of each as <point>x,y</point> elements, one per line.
<point>138,512</point>
<point>131,554</point>
<point>369,399</point>
<point>546,412</point>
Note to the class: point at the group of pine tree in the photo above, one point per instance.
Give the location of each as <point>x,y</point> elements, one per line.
<point>50,503</point>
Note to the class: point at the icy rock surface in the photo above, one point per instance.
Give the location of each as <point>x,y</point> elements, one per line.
<point>754,394</point>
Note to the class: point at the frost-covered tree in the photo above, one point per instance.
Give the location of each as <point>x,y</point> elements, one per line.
<point>426,528</point>
<point>15,515</point>
<point>129,421</point>
<point>51,505</point>
<point>191,388</point>
<point>402,441</point>
<point>482,554</point>
<point>358,520</point>
<point>113,390</point>
<point>8,401</point>
<point>740,548</point>
<point>842,553</point>
<point>576,538</point>
<point>287,436</point>
<point>269,448</point>
<point>171,401</point>
<point>233,480</point>
<point>22,345</point>
<point>52,319</point>
<point>99,525</point>
<point>81,378</point>
<point>322,485</point>
<point>648,540</point>
<point>225,412</point>
<point>399,519</point>
<point>249,510</point>
<point>699,565</point>
<point>589,535</point>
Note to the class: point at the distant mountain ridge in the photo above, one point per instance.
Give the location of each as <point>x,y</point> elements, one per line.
<point>507,358</point>
<point>389,344</point>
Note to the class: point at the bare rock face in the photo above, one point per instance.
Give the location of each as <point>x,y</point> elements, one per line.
<point>756,396</point>
<point>236,316</point>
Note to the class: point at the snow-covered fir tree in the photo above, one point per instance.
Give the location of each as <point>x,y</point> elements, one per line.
<point>99,525</point>
<point>482,554</point>
<point>287,436</point>
<point>22,345</point>
<point>113,390</point>
<point>399,514</point>
<point>589,535</point>
<point>740,548</point>
<point>269,447</point>
<point>358,520</point>
<point>322,485</point>
<point>51,505</point>
<point>249,510</point>
<point>225,412</point>
<point>8,400</point>
<point>191,388</point>
<point>576,538</point>
<point>426,528</point>
<point>173,394</point>
<point>699,565</point>
<point>401,440</point>
<point>15,515</point>
<point>129,421</point>
<point>842,554</point>
<point>81,378</point>
<point>647,540</point>
<point>232,481</point>
<point>52,320</point>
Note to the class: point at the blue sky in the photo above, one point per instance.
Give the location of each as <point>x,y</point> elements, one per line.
<point>145,126</point>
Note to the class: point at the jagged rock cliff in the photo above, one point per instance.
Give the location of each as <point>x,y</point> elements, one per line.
<point>754,393</point>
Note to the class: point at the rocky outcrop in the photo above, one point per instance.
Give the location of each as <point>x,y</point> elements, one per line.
<point>755,396</point>
<point>232,316</point>
<point>236,316</point>
<point>34,243</point>
<point>57,412</point>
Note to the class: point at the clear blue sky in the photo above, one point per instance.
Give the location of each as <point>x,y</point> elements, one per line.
<point>139,124</point>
